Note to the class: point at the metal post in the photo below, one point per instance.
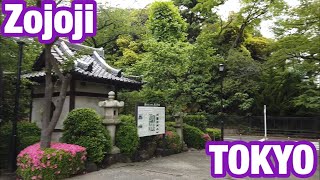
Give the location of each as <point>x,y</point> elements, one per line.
<point>1,93</point>
<point>221,110</point>
<point>319,149</point>
<point>265,121</point>
<point>12,160</point>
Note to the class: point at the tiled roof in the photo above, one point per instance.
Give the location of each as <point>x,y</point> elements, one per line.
<point>92,65</point>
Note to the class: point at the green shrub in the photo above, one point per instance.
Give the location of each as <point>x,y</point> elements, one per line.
<point>84,127</point>
<point>27,134</point>
<point>198,121</point>
<point>127,138</point>
<point>214,133</point>
<point>193,137</point>
<point>170,126</point>
<point>58,162</point>
<point>128,119</point>
<point>171,141</point>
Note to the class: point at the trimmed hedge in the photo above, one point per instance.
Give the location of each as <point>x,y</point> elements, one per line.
<point>128,119</point>
<point>84,127</point>
<point>58,162</point>
<point>197,120</point>
<point>214,133</point>
<point>193,137</point>
<point>127,138</point>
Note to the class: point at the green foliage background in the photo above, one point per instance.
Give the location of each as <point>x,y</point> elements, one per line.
<point>27,134</point>
<point>177,46</point>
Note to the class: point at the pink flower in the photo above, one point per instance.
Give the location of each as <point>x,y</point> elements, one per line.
<point>206,137</point>
<point>35,153</point>
<point>169,133</point>
<point>34,158</point>
<point>161,136</point>
<point>43,165</point>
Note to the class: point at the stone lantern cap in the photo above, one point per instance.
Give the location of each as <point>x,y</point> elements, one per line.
<point>179,114</point>
<point>111,102</point>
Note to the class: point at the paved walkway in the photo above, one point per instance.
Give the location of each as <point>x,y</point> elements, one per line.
<point>192,165</point>
<point>260,138</point>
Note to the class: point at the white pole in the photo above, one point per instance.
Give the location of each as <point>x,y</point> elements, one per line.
<point>265,121</point>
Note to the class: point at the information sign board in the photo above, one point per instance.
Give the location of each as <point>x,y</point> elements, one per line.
<point>150,119</point>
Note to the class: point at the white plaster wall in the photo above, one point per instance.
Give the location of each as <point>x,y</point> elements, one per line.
<point>39,89</point>
<point>93,87</point>
<point>89,102</point>
<point>80,102</point>
<point>37,111</point>
<point>56,136</point>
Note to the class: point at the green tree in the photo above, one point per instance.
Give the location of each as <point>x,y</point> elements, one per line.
<point>253,12</point>
<point>114,25</point>
<point>197,14</point>
<point>165,22</point>
<point>289,81</point>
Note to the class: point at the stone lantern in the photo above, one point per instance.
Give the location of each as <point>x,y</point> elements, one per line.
<point>111,118</point>
<point>179,128</point>
<point>179,124</point>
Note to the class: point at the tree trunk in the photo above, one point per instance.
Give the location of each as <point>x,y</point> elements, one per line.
<point>240,33</point>
<point>49,123</point>
<point>60,102</point>
<point>45,138</point>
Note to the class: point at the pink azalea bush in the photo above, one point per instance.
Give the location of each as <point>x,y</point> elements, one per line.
<point>206,137</point>
<point>60,161</point>
<point>171,141</point>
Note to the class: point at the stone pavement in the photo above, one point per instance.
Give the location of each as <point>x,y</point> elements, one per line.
<point>192,165</point>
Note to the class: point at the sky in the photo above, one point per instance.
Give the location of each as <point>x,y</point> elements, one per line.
<point>223,11</point>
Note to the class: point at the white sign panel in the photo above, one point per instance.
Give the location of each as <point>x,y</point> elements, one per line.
<point>150,120</point>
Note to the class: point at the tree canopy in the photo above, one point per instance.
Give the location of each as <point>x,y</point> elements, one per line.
<point>178,45</point>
